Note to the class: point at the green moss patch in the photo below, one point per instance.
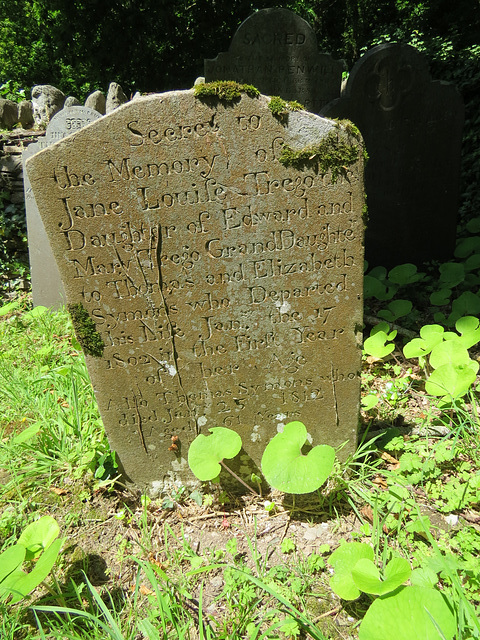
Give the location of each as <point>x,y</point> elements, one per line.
<point>225,90</point>
<point>336,153</point>
<point>280,107</point>
<point>86,331</point>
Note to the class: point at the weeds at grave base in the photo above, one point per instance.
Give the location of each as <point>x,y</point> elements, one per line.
<point>227,566</point>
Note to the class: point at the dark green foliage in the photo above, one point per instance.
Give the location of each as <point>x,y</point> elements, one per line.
<point>85,330</point>
<point>225,90</point>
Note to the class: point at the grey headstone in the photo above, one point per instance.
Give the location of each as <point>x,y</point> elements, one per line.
<point>226,288</point>
<point>276,51</point>
<point>412,128</point>
<point>47,288</point>
<point>96,100</point>
<point>8,113</point>
<point>47,101</point>
<point>25,113</point>
<point>115,97</point>
<point>71,101</point>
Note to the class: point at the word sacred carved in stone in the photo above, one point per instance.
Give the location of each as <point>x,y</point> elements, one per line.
<point>226,288</point>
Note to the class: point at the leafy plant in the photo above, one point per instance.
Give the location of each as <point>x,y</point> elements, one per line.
<point>206,453</point>
<point>379,344</point>
<point>38,543</point>
<point>287,469</point>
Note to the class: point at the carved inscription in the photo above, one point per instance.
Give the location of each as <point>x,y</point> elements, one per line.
<point>225,287</point>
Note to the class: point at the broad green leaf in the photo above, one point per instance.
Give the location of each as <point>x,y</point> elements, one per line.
<point>285,467</point>
<point>451,274</point>
<point>367,577</point>
<point>408,614</point>
<point>35,312</point>
<point>440,298</point>
<point>370,401</point>
<point>376,345</point>
<point>206,452</point>
<point>6,586</point>
<point>373,288</point>
<point>467,246</point>
<point>38,536</point>
<point>9,307</point>
<point>396,309</point>
<point>452,380</point>
<point>10,560</point>
<point>468,304</point>
<point>405,274</point>
<point>27,434</point>
<point>343,560</point>
<point>469,328</point>
<point>28,582</point>
<point>424,577</point>
<point>449,352</point>
<point>415,348</point>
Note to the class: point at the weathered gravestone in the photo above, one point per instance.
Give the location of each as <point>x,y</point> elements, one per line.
<point>412,128</point>
<point>276,51</point>
<point>47,288</point>
<point>210,285</point>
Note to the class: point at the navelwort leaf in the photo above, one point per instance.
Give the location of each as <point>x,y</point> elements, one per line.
<point>206,452</point>
<point>367,576</point>
<point>343,560</point>
<point>285,467</point>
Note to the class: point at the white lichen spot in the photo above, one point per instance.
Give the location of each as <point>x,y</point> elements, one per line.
<point>202,421</point>
<point>280,416</point>
<point>284,307</point>
<point>179,465</point>
<point>152,447</point>
<point>313,395</point>
<point>156,488</point>
<point>280,427</point>
<point>255,436</point>
<point>309,438</point>
<point>169,368</point>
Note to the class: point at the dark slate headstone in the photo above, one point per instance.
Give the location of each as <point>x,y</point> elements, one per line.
<point>47,288</point>
<point>276,51</point>
<point>213,285</point>
<point>412,127</point>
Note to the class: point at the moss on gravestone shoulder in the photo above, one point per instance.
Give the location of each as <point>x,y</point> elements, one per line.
<point>280,107</point>
<point>225,90</point>
<point>336,152</point>
<point>85,330</point>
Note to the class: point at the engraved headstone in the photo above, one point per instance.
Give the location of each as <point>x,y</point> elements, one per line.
<point>47,288</point>
<point>276,51</point>
<point>412,128</point>
<point>209,284</point>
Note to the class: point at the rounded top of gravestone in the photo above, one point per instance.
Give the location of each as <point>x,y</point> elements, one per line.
<point>271,29</point>
<point>69,120</point>
<point>387,72</point>
<point>47,101</point>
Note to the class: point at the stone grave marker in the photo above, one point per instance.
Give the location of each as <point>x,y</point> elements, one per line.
<point>412,128</point>
<point>276,51</point>
<point>47,288</point>
<point>209,284</point>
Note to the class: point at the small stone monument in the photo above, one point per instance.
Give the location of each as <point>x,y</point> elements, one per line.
<point>412,128</point>
<point>276,51</point>
<point>209,284</point>
<point>47,288</point>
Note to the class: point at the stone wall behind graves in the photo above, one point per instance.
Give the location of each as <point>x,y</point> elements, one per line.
<point>210,285</point>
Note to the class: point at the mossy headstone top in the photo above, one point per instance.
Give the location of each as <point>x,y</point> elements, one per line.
<point>412,127</point>
<point>276,51</point>
<point>47,288</point>
<point>213,269</point>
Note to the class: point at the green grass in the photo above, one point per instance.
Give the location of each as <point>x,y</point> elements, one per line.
<point>416,466</point>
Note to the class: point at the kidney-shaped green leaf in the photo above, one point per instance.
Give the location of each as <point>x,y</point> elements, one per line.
<point>10,560</point>
<point>206,452</point>
<point>38,536</point>
<point>285,467</point>
<point>367,577</point>
<point>343,560</point>
<point>411,613</point>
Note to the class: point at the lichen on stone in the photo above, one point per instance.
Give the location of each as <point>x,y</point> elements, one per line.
<point>337,151</point>
<point>225,90</point>
<point>85,330</point>
<point>280,107</point>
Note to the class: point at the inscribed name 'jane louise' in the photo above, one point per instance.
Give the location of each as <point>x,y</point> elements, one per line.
<point>209,284</point>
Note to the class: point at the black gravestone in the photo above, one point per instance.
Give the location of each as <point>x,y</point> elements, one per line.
<point>412,127</point>
<point>276,51</point>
